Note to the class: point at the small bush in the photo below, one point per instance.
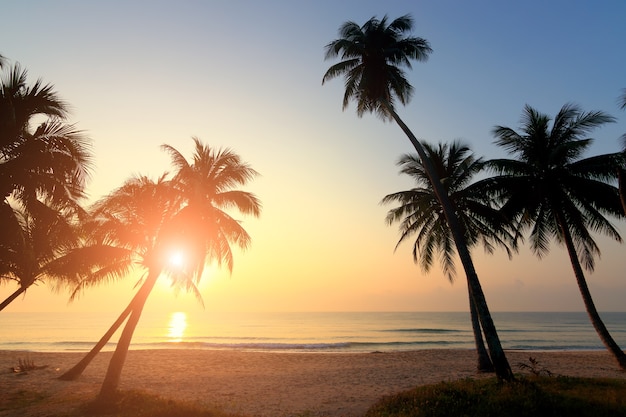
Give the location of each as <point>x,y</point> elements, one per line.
<point>25,365</point>
<point>534,367</point>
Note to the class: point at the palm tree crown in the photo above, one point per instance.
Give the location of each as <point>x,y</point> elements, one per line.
<point>372,56</point>
<point>421,214</point>
<point>549,183</point>
<point>207,185</point>
<point>50,163</point>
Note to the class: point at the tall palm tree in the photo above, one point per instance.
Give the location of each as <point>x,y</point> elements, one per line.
<point>372,56</point>
<point>551,189</point>
<point>43,171</point>
<point>420,214</point>
<point>186,212</point>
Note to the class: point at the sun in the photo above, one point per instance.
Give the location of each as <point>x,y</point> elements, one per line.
<point>177,259</point>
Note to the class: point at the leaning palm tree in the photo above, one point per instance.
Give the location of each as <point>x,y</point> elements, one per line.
<point>133,218</point>
<point>116,244</point>
<point>552,190</point>
<point>186,212</point>
<point>372,56</point>
<point>420,214</point>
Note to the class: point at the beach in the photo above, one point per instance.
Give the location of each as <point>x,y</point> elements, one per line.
<point>274,384</point>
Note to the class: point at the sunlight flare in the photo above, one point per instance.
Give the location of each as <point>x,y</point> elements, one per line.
<point>177,259</point>
<point>177,326</point>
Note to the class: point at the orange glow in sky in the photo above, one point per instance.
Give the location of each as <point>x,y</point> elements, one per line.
<point>209,69</point>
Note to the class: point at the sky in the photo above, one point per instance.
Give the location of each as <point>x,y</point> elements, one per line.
<point>246,75</point>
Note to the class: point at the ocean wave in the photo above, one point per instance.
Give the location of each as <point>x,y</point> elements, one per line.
<point>422,330</point>
<point>554,347</point>
<point>304,346</point>
<point>308,332</point>
<point>77,343</point>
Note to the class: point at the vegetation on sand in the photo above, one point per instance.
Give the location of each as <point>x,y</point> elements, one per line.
<point>526,397</point>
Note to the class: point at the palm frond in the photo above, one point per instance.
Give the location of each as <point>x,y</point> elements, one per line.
<point>420,213</point>
<point>550,187</point>
<point>371,59</point>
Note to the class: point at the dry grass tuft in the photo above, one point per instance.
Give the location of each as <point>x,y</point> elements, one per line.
<point>25,365</point>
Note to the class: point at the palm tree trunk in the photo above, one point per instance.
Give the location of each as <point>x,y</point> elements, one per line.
<point>483,361</point>
<point>114,371</point>
<point>590,306</point>
<point>78,369</point>
<point>498,357</point>
<point>12,297</point>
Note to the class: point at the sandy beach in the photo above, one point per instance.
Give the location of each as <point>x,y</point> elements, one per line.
<point>267,384</point>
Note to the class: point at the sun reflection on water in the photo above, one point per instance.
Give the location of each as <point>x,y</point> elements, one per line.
<point>177,326</point>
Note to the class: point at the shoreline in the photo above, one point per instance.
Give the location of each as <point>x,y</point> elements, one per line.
<point>176,347</point>
<point>264,384</point>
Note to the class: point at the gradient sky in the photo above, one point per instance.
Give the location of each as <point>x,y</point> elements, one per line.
<point>247,75</point>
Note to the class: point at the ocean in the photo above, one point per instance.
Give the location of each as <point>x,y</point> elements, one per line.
<point>305,332</point>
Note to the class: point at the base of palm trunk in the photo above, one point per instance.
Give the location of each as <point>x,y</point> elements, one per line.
<point>485,365</point>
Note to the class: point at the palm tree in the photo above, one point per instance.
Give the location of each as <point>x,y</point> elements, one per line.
<point>109,257</point>
<point>373,55</point>
<point>552,190</point>
<point>420,214</point>
<point>43,171</point>
<point>186,212</point>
